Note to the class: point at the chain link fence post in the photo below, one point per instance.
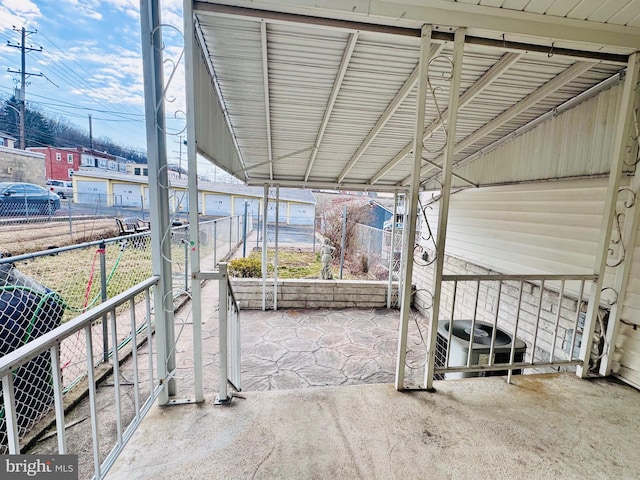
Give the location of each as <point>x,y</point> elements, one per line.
<point>70,217</point>
<point>215,243</point>
<point>102,249</point>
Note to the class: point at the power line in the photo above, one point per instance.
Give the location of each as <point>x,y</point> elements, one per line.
<point>70,105</point>
<point>78,76</point>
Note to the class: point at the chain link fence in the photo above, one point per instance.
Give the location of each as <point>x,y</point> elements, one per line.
<point>220,238</point>
<point>373,247</point>
<point>41,291</point>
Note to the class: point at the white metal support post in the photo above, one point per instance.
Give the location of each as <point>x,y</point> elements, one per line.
<point>275,259</point>
<point>443,215</point>
<point>625,116</point>
<point>265,211</point>
<point>403,241</point>
<point>392,247</point>
<point>192,182</point>
<point>152,47</point>
<point>223,395</point>
<point>412,207</point>
<point>629,232</point>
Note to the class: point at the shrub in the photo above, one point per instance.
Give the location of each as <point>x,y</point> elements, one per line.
<point>245,267</point>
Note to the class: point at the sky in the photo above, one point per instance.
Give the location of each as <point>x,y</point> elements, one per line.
<point>92,65</point>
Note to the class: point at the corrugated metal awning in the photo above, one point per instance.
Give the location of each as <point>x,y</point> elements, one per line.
<point>323,101</point>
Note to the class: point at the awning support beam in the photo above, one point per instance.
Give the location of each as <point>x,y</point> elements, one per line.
<point>191,50</point>
<point>529,101</point>
<point>496,70</point>
<point>412,208</point>
<point>443,211</point>
<point>158,192</point>
<point>267,102</point>
<point>394,104</point>
<point>625,115</point>
<point>342,71</point>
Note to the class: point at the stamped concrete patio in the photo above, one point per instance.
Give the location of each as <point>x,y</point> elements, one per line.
<point>291,349</point>
<point>306,348</point>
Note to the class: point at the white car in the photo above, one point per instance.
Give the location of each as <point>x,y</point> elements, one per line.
<point>63,188</point>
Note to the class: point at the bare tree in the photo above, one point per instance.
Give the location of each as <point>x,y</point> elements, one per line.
<point>330,221</point>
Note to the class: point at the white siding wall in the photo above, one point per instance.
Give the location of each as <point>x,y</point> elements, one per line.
<point>628,341</point>
<point>549,227</point>
<point>535,228</point>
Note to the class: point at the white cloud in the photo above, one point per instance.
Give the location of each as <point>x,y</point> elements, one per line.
<point>87,8</point>
<point>171,10</point>
<point>116,76</point>
<point>18,13</point>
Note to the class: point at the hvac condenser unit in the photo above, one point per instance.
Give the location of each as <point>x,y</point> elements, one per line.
<point>482,335</point>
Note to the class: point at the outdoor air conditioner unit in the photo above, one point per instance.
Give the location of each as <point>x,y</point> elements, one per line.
<point>481,350</point>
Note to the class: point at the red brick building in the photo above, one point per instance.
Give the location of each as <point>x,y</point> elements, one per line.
<point>59,163</point>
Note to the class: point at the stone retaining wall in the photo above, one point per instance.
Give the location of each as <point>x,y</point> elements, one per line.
<point>314,293</point>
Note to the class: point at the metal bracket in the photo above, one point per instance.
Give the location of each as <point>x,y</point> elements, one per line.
<point>226,401</point>
<point>180,401</point>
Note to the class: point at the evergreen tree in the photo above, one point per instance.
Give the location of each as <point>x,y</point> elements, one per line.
<point>42,130</point>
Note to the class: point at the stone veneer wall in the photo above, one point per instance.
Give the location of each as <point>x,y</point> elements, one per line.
<point>314,293</point>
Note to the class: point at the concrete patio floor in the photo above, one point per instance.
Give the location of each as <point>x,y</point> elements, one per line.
<point>542,426</point>
<point>306,412</point>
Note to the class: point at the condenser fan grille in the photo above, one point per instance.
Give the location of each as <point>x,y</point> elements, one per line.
<point>481,333</point>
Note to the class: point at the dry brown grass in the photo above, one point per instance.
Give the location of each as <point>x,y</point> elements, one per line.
<point>18,239</point>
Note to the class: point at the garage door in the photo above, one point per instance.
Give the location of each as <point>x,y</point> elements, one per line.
<point>89,191</point>
<point>252,209</point>
<point>301,214</point>
<point>127,194</point>
<point>179,201</point>
<point>282,212</point>
<point>217,205</point>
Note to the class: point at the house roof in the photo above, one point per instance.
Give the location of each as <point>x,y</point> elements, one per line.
<point>7,136</point>
<point>323,93</point>
<point>286,194</point>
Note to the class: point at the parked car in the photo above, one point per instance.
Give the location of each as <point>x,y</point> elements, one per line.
<point>63,188</point>
<point>27,198</point>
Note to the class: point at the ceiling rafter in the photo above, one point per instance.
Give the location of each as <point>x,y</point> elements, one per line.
<point>497,69</point>
<point>394,104</point>
<point>530,100</point>
<point>267,103</point>
<point>569,104</point>
<point>342,70</point>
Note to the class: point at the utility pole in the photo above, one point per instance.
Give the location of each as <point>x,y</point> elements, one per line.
<point>181,142</point>
<point>91,132</point>
<point>23,76</point>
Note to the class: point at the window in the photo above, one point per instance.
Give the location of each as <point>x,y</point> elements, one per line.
<point>18,189</point>
<point>136,171</point>
<point>70,172</point>
<point>70,158</point>
<point>58,156</point>
<point>30,189</point>
<point>145,172</point>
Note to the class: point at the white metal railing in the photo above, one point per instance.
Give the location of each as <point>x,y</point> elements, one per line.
<point>501,324</point>
<point>49,345</point>
<point>228,334</point>
<point>229,338</point>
